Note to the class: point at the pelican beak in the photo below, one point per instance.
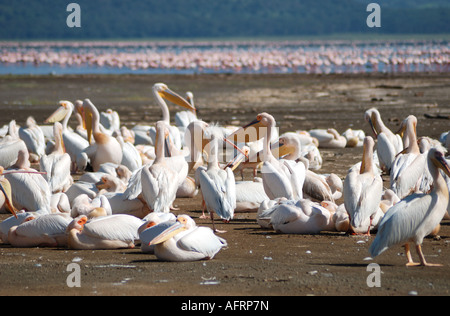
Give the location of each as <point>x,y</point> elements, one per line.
<point>372,126</point>
<point>88,117</point>
<point>101,184</point>
<point>442,163</point>
<point>176,99</point>
<point>249,133</point>
<point>59,114</point>
<point>168,233</point>
<point>402,129</point>
<point>5,187</point>
<point>280,149</point>
<point>237,160</point>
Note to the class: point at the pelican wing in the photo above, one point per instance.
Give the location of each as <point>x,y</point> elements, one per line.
<point>400,222</point>
<point>134,187</point>
<point>114,227</point>
<point>408,171</point>
<point>285,214</point>
<point>202,240</point>
<point>57,168</point>
<point>9,152</point>
<point>386,151</point>
<point>275,182</point>
<point>51,224</point>
<point>219,192</point>
<point>249,191</point>
<point>30,191</point>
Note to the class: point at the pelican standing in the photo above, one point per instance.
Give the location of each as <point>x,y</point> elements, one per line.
<point>106,148</point>
<point>281,178</point>
<point>218,186</point>
<point>416,216</point>
<point>183,241</point>
<point>409,167</point>
<point>57,165</point>
<point>161,91</point>
<point>363,188</point>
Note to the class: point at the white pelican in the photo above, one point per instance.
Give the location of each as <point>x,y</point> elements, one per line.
<point>102,233</point>
<point>106,148</point>
<point>161,92</point>
<point>10,222</point>
<point>109,183</point>
<point>30,191</point>
<point>329,138</point>
<point>409,167</point>
<point>388,143</point>
<point>152,220</point>
<point>10,146</point>
<point>217,185</point>
<point>33,137</point>
<point>183,241</point>
<point>281,178</point>
<point>159,182</point>
<point>45,230</point>
<point>74,144</point>
<point>5,194</point>
<point>57,164</point>
<point>184,118</point>
<point>355,138</point>
<point>416,216</point>
<point>363,188</point>
<point>83,205</point>
<point>305,217</point>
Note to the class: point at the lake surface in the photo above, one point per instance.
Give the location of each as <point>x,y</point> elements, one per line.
<point>258,57</point>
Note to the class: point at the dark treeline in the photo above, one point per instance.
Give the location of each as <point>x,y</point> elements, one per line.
<point>133,19</point>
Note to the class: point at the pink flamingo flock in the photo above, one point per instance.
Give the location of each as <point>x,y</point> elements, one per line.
<point>235,57</point>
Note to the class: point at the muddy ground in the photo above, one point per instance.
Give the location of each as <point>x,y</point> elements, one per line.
<point>256,262</point>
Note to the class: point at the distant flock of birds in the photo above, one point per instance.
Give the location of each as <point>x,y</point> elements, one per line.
<point>129,180</point>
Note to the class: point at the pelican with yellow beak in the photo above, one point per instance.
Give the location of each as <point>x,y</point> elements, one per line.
<point>410,166</point>
<point>388,143</point>
<point>105,148</point>
<point>162,92</point>
<point>74,144</point>
<point>182,241</point>
<point>363,188</point>
<point>416,216</point>
<point>281,178</point>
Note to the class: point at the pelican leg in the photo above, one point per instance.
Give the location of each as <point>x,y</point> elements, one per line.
<point>203,210</point>
<point>410,263</point>
<point>422,258</point>
<point>214,226</point>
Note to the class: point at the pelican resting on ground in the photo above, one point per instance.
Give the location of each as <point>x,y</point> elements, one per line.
<point>416,216</point>
<point>45,230</point>
<point>183,241</point>
<point>363,188</point>
<point>152,220</point>
<point>109,232</point>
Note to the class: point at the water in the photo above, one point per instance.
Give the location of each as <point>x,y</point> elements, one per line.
<point>259,57</point>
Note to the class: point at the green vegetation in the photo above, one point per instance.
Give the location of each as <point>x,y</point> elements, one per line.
<point>119,19</point>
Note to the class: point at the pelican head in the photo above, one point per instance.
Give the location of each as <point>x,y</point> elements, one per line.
<point>372,116</point>
<point>438,159</point>
<point>183,223</point>
<point>64,108</point>
<point>409,122</point>
<point>78,223</point>
<point>163,91</point>
<point>237,160</point>
<point>287,144</point>
<point>255,130</point>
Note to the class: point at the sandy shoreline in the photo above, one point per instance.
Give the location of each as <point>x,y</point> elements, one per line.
<point>257,262</point>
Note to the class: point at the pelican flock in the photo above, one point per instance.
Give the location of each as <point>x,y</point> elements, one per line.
<point>101,185</point>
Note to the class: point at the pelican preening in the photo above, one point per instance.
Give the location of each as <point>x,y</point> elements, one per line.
<point>127,199</point>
